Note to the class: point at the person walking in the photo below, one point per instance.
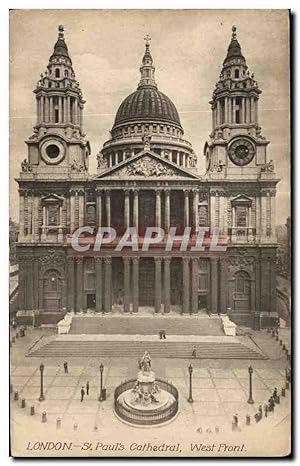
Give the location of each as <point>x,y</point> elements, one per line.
<point>87,387</point>
<point>194,353</point>
<point>66,367</point>
<point>82,393</point>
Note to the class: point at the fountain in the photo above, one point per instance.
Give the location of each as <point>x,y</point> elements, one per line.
<point>146,400</point>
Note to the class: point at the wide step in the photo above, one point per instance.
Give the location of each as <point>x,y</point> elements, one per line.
<point>159,349</point>
<point>146,325</point>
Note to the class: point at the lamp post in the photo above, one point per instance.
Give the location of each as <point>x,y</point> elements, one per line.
<point>42,367</point>
<point>101,381</point>
<point>190,398</point>
<point>250,372</point>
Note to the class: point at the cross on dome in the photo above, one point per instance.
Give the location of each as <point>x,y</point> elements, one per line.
<point>147,39</point>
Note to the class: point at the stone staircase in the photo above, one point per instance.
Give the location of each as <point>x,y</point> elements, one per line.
<point>66,347</point>
<point>173,324</point>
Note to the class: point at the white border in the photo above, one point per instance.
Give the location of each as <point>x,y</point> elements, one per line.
<point>112,4</point>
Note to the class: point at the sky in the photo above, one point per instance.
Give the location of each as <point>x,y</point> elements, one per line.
<point>188,48</point>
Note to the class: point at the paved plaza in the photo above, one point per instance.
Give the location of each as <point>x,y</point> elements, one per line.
<point>220,390</point>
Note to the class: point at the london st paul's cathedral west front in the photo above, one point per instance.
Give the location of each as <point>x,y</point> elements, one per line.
<point>147,176</point>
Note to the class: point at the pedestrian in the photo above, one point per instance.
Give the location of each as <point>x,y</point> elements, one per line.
<point>87,388</point>
<point>194,354</point>
<point>160,334</point>
<point>260,410</point>
<point>82,393</point>
<point>164,334</point>
<point>66,367</point>
<point>235,422</point>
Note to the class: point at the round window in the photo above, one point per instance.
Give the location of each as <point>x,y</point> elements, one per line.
<point>52,151</point>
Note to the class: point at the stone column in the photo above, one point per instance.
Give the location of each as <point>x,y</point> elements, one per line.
<point>35,217</point>
<point>60,110</point>
<point>42,108</point>
<point>186,208</point>
<point>157,300</point>
<point>186,284</point>
<point>51,119</point>
<point>233,110</point>
<point>72,209</point>
<point>167,284</point>
<point>107,208</point>
<point>136,209</point>
<point>226,110</point>
<point>75,119</point>
<point>195,208</point>
<point>65,109</point>
<point>107,284</point>
<point>68,109</point>
<point>81,208</point>
<point>79,284</point>
<point>135,284</point>
<point>99,284</point>
<point>195,281</point>
<point>223,285</point>
<point>252,110</point>
<point>71,280</point>
<point>99,209</point>
<point>126,208</point>
<point>247,110</point>
<point>167,210</point>
<point>214,289</point>
<point>21,216</point>
<point>229,110</point>
<point>126,261</point>
<point>218,113</point>
<point>158,208</point>
<point>243,110</point>
<point>256,111</point>
<point>81,117</point>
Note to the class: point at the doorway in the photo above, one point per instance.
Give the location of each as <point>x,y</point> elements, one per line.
<point>91,301</point>
<point>52,290</point>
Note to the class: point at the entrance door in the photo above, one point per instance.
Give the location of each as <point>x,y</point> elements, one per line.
<point>52,291</point>
<point>146,282</point>
<point>242,295</point>
<point>91,301</point>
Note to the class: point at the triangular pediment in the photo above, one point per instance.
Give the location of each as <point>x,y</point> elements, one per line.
<point>147,164</point>
<point>241,199</point>
<point>52,198</point>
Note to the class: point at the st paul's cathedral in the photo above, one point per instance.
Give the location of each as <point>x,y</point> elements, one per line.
<point>147,175</point>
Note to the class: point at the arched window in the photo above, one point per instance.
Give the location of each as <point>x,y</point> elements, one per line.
<point>66,73</point>
<point>236,74</point>
<point>57,73</point>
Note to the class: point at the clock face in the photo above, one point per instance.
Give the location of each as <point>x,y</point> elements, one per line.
<point>241,152</point>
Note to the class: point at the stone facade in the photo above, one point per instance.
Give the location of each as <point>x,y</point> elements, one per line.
<point>147,176</point>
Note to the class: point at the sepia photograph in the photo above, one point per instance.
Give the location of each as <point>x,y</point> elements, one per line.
<point>149,233</point>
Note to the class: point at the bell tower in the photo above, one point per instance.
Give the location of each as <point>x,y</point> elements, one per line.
<point>236,146</point>
<point>57,146</point>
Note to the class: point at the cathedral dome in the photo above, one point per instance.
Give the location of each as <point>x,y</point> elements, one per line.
<point>147,103</point>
